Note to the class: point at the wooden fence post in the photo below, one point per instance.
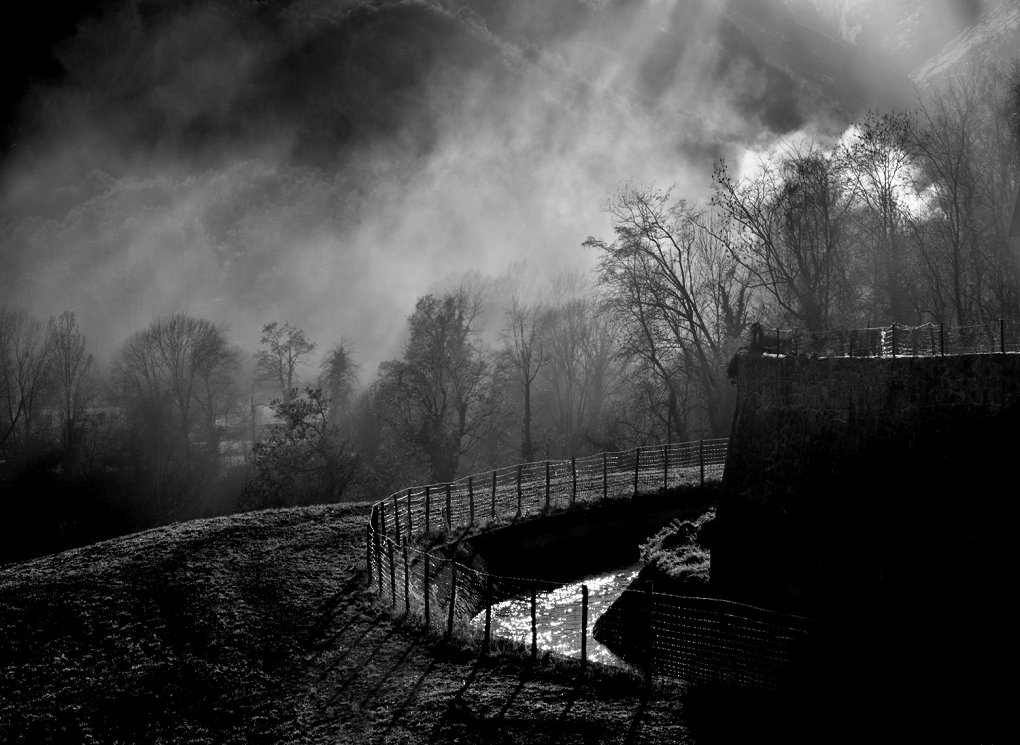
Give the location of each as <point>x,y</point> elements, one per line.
<point>453,597</point>
<point>942,340</point>
<point>1002,336</point>
<point>382,517</point>
<point>584,627</point>
<point>665,467</point>
<point>547,491</point>
<point>396,516</point>
<point>701,459</point>
<point>637,467</point>
<point>407,582</point>
<point>894,350</point>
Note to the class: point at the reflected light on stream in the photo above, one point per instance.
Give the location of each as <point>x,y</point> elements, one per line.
<point>558,615</point>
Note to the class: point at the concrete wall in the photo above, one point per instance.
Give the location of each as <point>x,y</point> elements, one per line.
<point>849,476</point>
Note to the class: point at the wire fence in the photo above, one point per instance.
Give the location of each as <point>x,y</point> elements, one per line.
<point>702,640</point>
<point>529,490</point>
<point>896,340</point>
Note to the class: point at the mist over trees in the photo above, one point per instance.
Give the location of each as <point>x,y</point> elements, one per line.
<point>905,218</point>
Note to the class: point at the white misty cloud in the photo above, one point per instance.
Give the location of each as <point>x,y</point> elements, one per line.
<point>329,167</point>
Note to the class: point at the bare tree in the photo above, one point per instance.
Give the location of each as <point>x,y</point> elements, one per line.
<point>967,139</point>
<point>525,354</point>
<point>175,379</point>
<point>880,159</point>
<point>437,396</point>
<point>285,348</point>
<point>24,374</point>
<point>794,218</point>
<point>74,380</point>
<point>580,348</point>
<point>682,299</point>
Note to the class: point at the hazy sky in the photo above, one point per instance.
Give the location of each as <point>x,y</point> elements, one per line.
<point>327,162</point>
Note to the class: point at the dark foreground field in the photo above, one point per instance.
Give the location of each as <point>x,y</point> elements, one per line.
<point>260,628</point>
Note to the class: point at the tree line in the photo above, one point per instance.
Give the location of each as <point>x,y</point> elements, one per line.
<point>904,218</point>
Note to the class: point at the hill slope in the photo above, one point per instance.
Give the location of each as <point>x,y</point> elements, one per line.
<point>259,628</point>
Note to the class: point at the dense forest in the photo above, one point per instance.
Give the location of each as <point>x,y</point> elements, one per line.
<point>906,217</point>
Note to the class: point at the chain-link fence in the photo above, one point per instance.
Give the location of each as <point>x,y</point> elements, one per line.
<point>897,340</point>
<point>531,489</point>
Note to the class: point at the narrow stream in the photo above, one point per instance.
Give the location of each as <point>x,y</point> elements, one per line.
<point>558,615</point>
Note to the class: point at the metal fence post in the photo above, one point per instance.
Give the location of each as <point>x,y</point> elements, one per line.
<point>407,582</point>
<point>493,495</point>
<point>487,640</point>
<point>425,583</point>
<point>520,506</point>
<point>534,622</point>
<point>942,339</point>
<point>453,596</point>
<point>665,467</point>
<point>547,490</point>
<point>573,479</point>
<point>410,525</point>
<point>449,512</point>
<point>396,516</point>
<point>378,562</point>
<point>368,552</point>
<point>605,475</point>
<point>637,466</point>
<point>471,499</point>
<point>428,509</point>
<point>649,633</point>
<point>894,340</point>
<point>584,627</point>
<point>701,459</point>
<point>393,574</point>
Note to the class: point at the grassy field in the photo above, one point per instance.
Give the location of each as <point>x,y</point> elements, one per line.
<point>261,628</point>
